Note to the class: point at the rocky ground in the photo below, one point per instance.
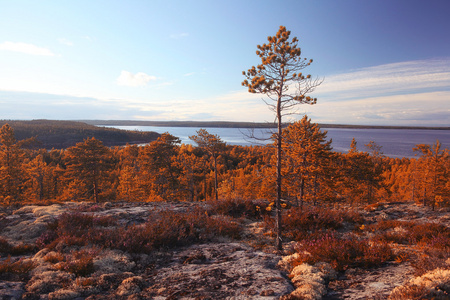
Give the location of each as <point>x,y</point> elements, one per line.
<point>219,269</point>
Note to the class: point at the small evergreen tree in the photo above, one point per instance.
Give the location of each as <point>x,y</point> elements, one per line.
<point>88,166</point>
<point>12,174</point>
<point>213,145</point>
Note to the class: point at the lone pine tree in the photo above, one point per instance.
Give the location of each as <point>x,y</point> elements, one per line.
<point>279,78</point>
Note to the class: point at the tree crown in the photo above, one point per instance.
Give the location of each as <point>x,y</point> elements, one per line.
<point>279,71</point>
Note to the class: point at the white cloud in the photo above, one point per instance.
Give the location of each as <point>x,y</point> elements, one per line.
<point>139,79</point>
<point>65,42</point>
<point>25,48</point>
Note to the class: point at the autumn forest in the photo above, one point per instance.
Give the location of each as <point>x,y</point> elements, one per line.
<point>165,170</point>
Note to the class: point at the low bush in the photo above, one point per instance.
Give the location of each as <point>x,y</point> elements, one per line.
<point>167,230</point>
<point>300,223</point>
<point>8,249</point>
<point>54,257</point>
<point>4,246</point>
<point>175,229</point>
<point>19,267</point>
<point>80,263</point>
<point>73,229</point>
<point>76,224</point>
<point>343,253</point>
<point>237,208</point>
<point>431,235</point>
<point>80,267</point>
<point>384,225</point>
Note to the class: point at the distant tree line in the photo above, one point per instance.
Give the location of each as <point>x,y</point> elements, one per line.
<point>50,134</point>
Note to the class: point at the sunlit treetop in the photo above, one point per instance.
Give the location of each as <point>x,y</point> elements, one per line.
<point>279,74</point>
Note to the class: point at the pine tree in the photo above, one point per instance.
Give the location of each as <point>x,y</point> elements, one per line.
<point>159,170</point>
<point>213,145</point>
<point>279,77</point>
<point>307,159</point>
<point>88,166</point>
<point>434,163</point>
<point>12,175</point>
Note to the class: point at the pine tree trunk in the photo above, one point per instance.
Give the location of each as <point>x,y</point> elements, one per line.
<point>279,242</point>
<point>215,178</point>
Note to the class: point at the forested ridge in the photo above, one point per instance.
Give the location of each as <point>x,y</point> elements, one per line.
<point>165,170</point>
<point>50,134</point>
<point>226,124</point>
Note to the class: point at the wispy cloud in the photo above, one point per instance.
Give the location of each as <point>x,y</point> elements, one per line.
<point>25,48</point>
<point>432,108</point>
<point>139,79</point>
<point>403,77</point>
<point>179,35</point>
<point>65,42</point>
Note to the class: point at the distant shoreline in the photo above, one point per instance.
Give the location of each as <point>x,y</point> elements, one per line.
<point>226,124</point>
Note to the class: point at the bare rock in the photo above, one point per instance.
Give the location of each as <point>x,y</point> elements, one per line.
<point>11,290</point>
<point>31,222</point>
<point>113,261</point>
<point>363,284</point>
<point>223,270</point>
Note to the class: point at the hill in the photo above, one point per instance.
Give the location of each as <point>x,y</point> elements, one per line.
<point>227,124</point>
<point>63,134</point>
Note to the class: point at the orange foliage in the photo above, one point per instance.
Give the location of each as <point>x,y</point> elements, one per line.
<point>164,170</point>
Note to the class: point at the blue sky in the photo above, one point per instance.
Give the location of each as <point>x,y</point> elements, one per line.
<point>384,62</point>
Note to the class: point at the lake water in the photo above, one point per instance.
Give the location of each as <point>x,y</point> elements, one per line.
<point>394,142</point>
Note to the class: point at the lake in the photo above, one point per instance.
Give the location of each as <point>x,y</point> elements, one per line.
<point>394,142</point>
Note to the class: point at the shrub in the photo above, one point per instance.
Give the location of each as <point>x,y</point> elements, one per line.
<point>410,292</point>
<point>54,257</point>
<point>237,208</point>
<point>299,223</point>
<point>384,225</point>
<point>73,229</point>
<point>20,267</point>
<point>223,226</point>
<point>167,230</point>
<point>77,224</point>
<point>80,263</point>
<point>343,253</point>
<point>80,267</point>
<point>46,238</point>
<point>20,249</point>
<point>5,247</point>
<point>89,208</point>
<point>429,234</point>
